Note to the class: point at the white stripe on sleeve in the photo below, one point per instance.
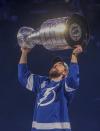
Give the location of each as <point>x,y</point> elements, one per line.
<point>68,89</point>
<point>29,85</point>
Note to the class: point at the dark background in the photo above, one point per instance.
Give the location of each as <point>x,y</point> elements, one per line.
<point>15,102</point>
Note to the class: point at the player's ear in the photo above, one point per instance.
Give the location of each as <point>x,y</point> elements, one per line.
<point>64,73</point>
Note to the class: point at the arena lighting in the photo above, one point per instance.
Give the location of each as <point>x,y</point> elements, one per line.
<point>67,1</point>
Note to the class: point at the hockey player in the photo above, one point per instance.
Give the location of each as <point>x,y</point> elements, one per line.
<point>52,93</point>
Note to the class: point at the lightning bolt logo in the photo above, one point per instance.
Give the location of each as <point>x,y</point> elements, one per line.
<point>45,96</point>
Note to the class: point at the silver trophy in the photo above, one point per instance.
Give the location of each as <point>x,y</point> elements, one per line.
<point>56,34</point>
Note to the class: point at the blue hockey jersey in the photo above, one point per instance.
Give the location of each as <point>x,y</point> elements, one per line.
<point>51,98</point>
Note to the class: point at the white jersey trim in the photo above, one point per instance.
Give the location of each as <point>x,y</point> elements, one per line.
<point>29,85</point>
<point>68,89</point>
<point>54,125</point>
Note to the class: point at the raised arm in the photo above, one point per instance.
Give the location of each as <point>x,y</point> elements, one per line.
<point>74,68</point>
<point>24,75</point>
<point>72,80</point>
<point>73,76</point>
<point>23,58</point>
<point>26,78</point>
<point>78,49</point>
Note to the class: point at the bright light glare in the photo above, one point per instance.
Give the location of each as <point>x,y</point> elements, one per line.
<point>60,28</point>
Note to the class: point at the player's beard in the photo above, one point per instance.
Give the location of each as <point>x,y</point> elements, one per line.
<point>53,73</point>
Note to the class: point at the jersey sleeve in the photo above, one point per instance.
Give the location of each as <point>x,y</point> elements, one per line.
<point>27,79</point>
<point>71,82</point>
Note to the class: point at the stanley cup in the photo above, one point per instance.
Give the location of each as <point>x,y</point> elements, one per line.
<point>56,34</point>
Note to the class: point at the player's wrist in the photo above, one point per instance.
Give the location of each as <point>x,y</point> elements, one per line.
<point>74,54</point>
<point>24,53</point>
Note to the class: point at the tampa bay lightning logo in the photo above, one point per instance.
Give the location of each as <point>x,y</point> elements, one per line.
<point>47,96</point>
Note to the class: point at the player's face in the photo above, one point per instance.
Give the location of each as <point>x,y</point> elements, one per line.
<point>59,67</point>
<point>57,70</point>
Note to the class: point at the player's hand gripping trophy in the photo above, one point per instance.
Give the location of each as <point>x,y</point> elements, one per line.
<point>56,34</point>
